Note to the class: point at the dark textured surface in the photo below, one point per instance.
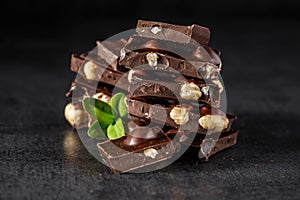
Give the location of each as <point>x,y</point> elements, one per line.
<point>41,157</point>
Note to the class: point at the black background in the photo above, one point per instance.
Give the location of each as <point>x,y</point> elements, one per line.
<point>40,155</point>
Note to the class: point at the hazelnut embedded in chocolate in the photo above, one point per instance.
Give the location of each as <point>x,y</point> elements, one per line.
<point>152,59</point>
<point>190,91</point>
<point>180,115</point>
<point>214,122</point>
<point>89,70</point>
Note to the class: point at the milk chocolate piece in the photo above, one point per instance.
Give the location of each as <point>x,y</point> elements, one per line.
<point>124,158</point>
<point>175,33</point>
<point>185,51</point>
<point>154,113</point>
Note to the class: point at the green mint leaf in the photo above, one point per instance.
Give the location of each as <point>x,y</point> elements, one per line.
<point>115,131</point>
<point>117,102</point>
<point>97,130</point>
<point>99,110</point>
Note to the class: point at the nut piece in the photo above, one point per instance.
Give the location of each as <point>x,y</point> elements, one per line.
<point>205,90</point>
<point>190,91</point>
<point>180,115</point>
<point>130,74</point>
<point>102,97</point>
<point>155,30</point>
<point>152,59</point>
<point>219,84</point>
<point>89,70</point>
<point>152,153</point>
<point>75,116</point>
<point>209,71</point>
<point>214,122</point>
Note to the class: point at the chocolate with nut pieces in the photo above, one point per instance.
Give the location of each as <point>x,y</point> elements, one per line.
<point>155,113</point>
<point>185,51</point>
<point>175,33</point>
<point>169,77</point>
<point>125,154</point>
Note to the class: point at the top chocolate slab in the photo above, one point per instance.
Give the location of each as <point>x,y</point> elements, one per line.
<point>175,33</point>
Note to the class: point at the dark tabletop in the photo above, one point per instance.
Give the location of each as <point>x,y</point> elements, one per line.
<point>42,158</point>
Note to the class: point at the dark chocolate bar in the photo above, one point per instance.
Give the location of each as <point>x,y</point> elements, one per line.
<point>122,156</point>
<point>204,146</point>
<point>101,73</point>
<point>106,55</point>
<point>206,150</point>
<point>183,51</point>
<point>155,113</point>
<point>172,90</point>
<point>175,33</point>
<point>168,63</point>
<point>110,51</point>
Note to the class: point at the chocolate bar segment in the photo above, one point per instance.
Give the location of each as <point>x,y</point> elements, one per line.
<point>147,112</point>
<point>106,55</point>
<point>101,74</point>
<point>172,90</point>
<point>206,150</point>
<point>175,33</point>
<point>123,158</point>
<point>204,146</point>
<point>77,61</point>
<point>179,50</point>
<point>167,63</point>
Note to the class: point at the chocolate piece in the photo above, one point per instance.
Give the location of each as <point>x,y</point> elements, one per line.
<point>77,61</point>
<point>175,33</point>
<point>102,73</point>
<point>124,158</point>
<point>148,112</point>
<point>196,69</point>
<point>204,143</point>
<point>109,51</point>
<point>171,90</point>
<point>183,51</point>
<point>222,143</point>
<point>106,55</point>
<point>140,135</point>
<point>93,87</point>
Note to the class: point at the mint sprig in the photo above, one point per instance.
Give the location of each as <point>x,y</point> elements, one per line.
<point>118,103</point>
<point>115,131</point>
<point>106,115</point>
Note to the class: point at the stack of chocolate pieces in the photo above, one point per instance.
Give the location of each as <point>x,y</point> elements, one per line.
<point>170,77</point>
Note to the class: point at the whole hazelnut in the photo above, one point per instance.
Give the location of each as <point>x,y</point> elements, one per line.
<point>214,122</point>
<point>190,91</point>
<point>180,115</point>
<point>152,59</point>
<point>151,152</point>
<point>89,70</point>
<point>75,116</point>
